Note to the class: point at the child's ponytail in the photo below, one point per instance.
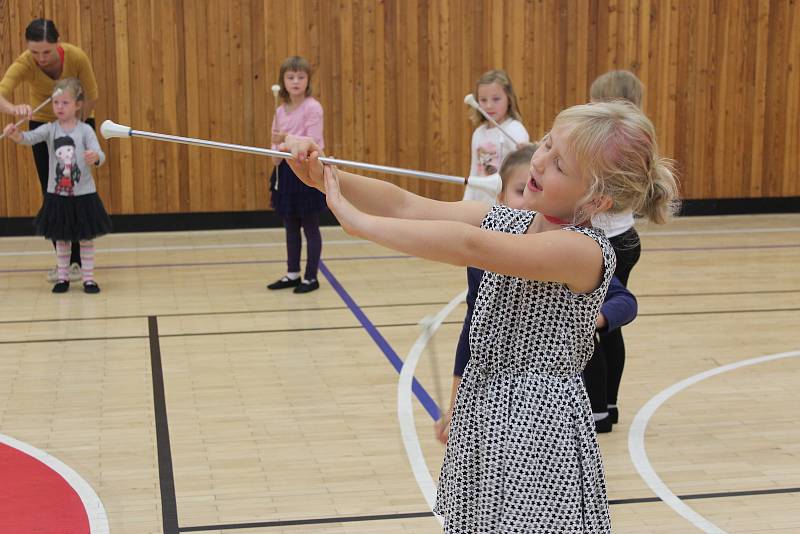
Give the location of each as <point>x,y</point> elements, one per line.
<point>614,145</point>
<point>660,200</point>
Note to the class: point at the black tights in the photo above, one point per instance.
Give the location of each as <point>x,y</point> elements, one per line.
<point>603,372</point>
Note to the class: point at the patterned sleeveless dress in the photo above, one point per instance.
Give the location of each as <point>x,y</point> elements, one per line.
<point>522,455</point>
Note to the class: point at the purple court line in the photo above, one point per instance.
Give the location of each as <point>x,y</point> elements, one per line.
<point>427,402</point>
<point>731,247</point>
<point>354,258</point>
<point>388,257</point>
<point>211,263</point>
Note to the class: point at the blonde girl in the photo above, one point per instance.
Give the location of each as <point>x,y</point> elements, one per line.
<point>489,147</point>
<point>522,454</point>
<point>71,209</point>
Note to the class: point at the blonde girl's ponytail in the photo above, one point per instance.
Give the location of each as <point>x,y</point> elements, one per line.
<point>661,200</point>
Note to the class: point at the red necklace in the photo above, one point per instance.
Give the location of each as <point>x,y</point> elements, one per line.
<point>556,220</point>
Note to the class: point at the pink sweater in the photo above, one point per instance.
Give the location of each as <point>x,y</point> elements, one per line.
<point>305,120</point>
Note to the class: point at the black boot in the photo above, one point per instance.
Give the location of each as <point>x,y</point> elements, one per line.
<point>604,425</point>
<point>613,413</point>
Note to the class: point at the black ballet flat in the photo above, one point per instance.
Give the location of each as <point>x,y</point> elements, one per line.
<point>604,425</point>
<point>62,286</point>
<point>91,287</point>
<point>284,283</point>
<point>307,287</point>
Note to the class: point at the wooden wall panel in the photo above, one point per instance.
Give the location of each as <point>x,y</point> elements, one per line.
<point>722,78</point>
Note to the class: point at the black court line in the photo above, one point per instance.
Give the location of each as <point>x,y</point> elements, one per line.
<point>412,515</point>
<point>720,495</point>
<point>169,505</point>
<point>198,334</point>
<point>195,264</point>
<point>716,312</point>
<point>65,340</point>
<point>716,293</point>
<point>315,521</point>
<point>355,327</point>
<point>333,308</point>
<point>230,312</point>
<point>223,333</point>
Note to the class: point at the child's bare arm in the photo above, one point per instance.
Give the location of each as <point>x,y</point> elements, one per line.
<point>378,197</point>
<point>12,132</point>
<point>555,256</point>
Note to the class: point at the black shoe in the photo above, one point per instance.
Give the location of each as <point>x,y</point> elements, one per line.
<point>62,286</point>
<point>604,425</point>
<point>283,283</point>
<point>307,286</point>
<point>613,413</point>
<point>91,287</point>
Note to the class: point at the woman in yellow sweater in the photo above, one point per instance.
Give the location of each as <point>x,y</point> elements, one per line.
<point>44,63</point>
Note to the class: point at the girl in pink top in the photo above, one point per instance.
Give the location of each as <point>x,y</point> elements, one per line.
<point>298,204</point>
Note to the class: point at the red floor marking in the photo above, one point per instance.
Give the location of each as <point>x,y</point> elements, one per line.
<point>34,499</point>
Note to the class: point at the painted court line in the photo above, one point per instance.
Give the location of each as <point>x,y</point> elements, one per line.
<point>169,248</point>
<point>667,233</point>
<point>405,411</point>
<point>427,402</point>
<point>212,263</point>
<point>352,258</point>
<point>638,428</point>
<point>95,511</point>
<point>735,231</point>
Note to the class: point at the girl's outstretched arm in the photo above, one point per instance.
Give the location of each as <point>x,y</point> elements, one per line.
<point>12,132</point>
<point>555,256</point>
<point>377,197</point>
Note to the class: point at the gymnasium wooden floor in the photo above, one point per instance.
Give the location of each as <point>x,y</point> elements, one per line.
<point>190,399</point>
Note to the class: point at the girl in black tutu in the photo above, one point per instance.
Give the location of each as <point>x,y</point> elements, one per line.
<point>72,210</point>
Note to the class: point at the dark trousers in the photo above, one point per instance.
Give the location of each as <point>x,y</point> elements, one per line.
<point>294,242</point>
<point>41,157</point>
<point>628,249</point>
<point>603,372</point>
<point>595,377</point>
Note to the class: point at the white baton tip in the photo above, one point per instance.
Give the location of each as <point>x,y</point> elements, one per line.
<point>111,129</point>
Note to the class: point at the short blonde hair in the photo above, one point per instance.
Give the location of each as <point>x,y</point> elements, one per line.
<point>500,77</point>
<point>614,145</point>
<point>72,86</point>
<point>617,84</point>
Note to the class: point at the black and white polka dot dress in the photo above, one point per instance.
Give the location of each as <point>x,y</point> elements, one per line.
<point>522,455</point>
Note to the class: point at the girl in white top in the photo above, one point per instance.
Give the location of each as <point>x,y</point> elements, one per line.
<point>617,85</point>
<point>490,146</point>
<point>618,225</point>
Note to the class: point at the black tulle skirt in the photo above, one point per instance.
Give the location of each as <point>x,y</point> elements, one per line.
<point>65,218</point>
